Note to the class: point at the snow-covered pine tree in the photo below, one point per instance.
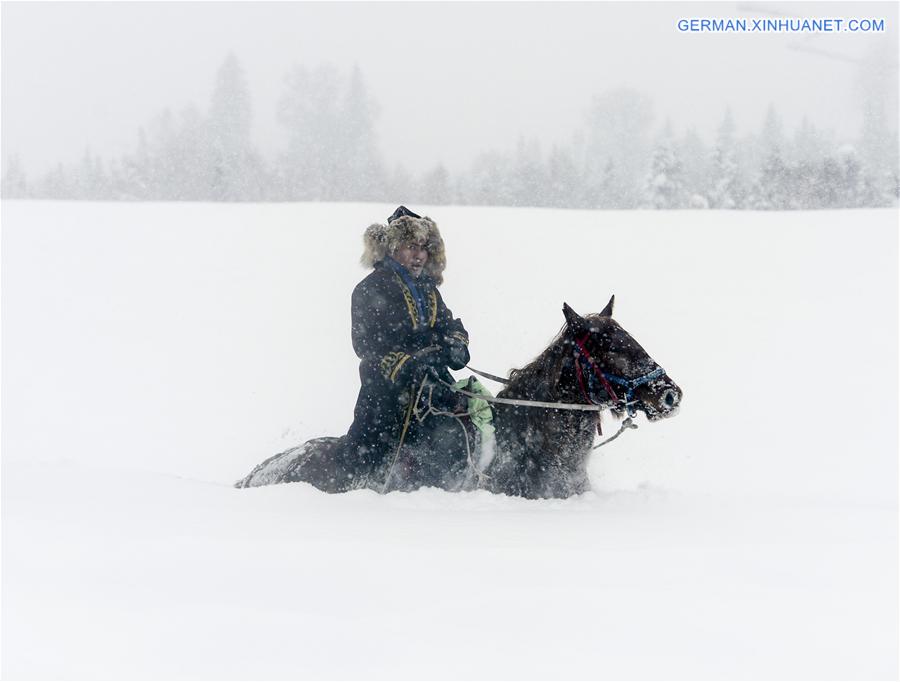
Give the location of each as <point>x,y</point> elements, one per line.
<point>309,111</point>
<point>876,147</point>
<point>528,180</point>
<point>235,169</point>
<point>859,189</point>
<point>14,183</point>
<point>163,159</point>
<point>90,181</point>
<point>664,185</point>
<point>400,185</point>
<point>137,179</point>
<point>618,153</point>
<point>435,187</point>
<point>804,153</point>
<point>772,189</point>
<point>189,152</point>
<point>361,177</point>
<point>56,184</point>
<point>563,179</point>
<point>808,144</point>
<point>726,189</point>
<point>829,183</point>
<point>696,163</point>
<point>488,181</point>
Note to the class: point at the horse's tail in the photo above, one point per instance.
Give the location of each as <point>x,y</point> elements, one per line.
<point>312,462</point>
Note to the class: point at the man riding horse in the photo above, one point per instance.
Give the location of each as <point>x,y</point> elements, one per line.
<point>411,430</point>
<point>402,332</point>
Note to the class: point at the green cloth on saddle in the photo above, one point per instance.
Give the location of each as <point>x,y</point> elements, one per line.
<point>479,410</point>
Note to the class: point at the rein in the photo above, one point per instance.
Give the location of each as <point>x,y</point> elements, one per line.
<point>487,375</point>
<point>606,380</point>
<point>525,403</point>
<point>627,424</point>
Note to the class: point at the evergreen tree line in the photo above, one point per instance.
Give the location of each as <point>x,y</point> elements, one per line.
<point>616,161</point>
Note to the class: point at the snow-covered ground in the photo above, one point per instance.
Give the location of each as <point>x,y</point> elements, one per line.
<point>153,353</point>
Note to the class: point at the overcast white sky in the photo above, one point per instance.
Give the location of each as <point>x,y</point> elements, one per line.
<point>452,79</point>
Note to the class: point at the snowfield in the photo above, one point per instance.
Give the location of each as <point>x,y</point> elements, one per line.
<point>152,354</point>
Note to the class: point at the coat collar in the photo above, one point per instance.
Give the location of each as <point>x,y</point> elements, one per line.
<point>423,282</point>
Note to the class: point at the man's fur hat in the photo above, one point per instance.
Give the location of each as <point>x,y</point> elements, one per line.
<point>384,240</point>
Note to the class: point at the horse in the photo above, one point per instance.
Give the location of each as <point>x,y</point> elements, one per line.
<point>536,450</point>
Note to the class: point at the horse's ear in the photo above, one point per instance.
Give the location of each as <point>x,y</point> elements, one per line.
<point>574,321</point>
<point>607,311</point>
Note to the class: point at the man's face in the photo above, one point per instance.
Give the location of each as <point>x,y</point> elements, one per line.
<point>412,256</point>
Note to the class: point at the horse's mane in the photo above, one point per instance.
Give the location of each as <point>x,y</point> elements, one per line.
<point>539,379</point>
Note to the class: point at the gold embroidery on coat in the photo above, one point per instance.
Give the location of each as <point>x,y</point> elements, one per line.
<point>433,301</point>
<point>391,364</point>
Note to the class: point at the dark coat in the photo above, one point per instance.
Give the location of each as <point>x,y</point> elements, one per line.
<point>387,332</point>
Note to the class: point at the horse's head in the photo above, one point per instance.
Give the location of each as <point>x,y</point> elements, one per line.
<point>609,362</point>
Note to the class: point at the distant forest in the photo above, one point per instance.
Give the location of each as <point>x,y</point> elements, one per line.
<point>617,160</point>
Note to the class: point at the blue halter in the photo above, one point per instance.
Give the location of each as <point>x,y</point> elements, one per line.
<point>631,384</point>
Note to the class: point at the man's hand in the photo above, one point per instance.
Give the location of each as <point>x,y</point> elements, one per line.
<point>456,355</point>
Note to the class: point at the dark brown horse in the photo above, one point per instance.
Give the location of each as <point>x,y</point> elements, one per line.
<point>535,452</point>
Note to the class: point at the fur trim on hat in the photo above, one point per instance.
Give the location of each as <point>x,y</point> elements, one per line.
<point>384,240</point>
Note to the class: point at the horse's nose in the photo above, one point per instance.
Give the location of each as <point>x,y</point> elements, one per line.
<point>670,399</point>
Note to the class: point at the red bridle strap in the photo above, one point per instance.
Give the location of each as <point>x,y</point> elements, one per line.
<point>603,381</point>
